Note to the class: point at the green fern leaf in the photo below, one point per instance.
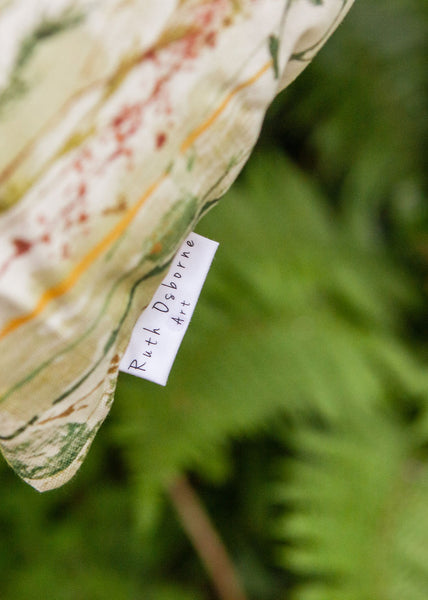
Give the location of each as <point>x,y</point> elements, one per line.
<point>358,525</point>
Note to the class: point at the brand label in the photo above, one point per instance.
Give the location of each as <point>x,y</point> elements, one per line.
<point>160,329</point>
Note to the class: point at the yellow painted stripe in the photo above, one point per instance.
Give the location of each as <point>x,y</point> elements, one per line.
<point>66,284</point>
<point>193,136</point>
<point>71,279</point>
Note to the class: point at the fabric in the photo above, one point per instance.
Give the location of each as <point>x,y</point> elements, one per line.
<point>121,122</point>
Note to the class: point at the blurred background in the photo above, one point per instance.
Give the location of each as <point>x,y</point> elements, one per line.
<point>296,414</point>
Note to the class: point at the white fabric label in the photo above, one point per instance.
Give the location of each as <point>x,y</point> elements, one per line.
<point>160,329</point>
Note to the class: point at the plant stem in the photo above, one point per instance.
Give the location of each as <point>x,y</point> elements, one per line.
<point>205,539</point>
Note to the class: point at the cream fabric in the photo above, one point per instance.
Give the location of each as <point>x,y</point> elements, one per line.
<point>121,121</point>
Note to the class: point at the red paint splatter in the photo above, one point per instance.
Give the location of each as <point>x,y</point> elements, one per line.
<point>127,122</point>
<point>71,213</point>
<point>124,125</point>
<point>120,152</point>
<point>205,13</point>
<point>81,191</point>
<point>179,55</point>
<point>211,38</point>
<point>148,55</point>
<point>83,217</point>
<point>176,56</point>
<point>21,246</point>
<point>191,45</point>
<point>83,157</point>
<point>160,139</point>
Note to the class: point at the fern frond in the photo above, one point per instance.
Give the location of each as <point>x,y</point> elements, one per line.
<point>295,317</point>
<point>356,524</point>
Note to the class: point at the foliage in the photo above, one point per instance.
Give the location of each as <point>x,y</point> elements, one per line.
<point>298,401</point>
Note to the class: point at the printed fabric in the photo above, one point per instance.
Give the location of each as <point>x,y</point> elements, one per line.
<point>121,123</point>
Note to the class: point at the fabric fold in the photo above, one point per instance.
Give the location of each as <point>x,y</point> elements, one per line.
<point>120,124</point>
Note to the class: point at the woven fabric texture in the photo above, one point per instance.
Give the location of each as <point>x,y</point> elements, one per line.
<point>121,123</point>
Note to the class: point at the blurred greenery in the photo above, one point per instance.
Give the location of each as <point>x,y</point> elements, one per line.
<point>298,404</point>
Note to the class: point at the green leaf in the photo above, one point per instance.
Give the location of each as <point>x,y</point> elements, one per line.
<point>295,317</point>
<point>354,524</point>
